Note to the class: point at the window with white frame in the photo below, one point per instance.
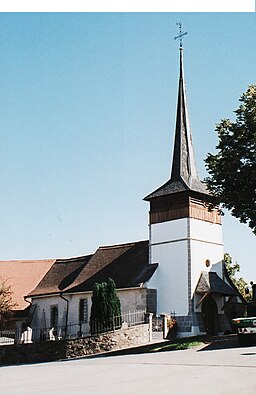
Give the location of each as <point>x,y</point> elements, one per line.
<point>83,310</point>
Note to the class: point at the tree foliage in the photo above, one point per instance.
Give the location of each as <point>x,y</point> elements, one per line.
<point>6,302</point>
<point>106,307</point>
<point>113,301</point>
<point>240,283</point>
<point>232,169</point>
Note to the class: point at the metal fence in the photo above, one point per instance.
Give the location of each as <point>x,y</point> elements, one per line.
<point>157,328</point>
<point>31,335</point>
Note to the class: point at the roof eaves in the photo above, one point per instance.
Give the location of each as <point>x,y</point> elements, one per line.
<point>130,244</point>
<point>42,295</point>
<point>169,188</point>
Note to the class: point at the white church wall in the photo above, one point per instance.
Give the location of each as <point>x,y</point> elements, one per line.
<point>171,277</point>
<point>205,231</point>
<point>74,301</point>
<point>131,299</point>
<point>168,231</point>
<point>169,250</point>
<point>42,314</point>
<point>206,245</point>
<point>200,253</point>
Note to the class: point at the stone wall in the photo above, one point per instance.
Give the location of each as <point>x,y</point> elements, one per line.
<point>63,349</point>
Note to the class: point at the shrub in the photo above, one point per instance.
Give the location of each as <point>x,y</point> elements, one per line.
<point>106,308</point>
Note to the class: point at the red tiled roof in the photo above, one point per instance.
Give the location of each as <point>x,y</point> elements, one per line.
<point>23,276</point>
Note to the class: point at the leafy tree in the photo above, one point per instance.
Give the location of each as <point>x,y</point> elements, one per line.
<point>6,302</point>
<point>232,170</point>
<point>106,307</point>
<point>240,283</point>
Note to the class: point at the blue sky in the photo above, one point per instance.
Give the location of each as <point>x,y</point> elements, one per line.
<point>128,6</point>
<point>87,109</point>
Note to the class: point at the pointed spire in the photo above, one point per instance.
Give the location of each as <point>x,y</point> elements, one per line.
<point>184,175</point>
<point>183,163</point>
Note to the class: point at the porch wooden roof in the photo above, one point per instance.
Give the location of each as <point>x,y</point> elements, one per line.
<point>211,283</point>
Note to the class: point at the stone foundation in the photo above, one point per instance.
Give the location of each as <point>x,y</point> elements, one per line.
<point>193,325</point>
<point>190,325</point>
<point>63,349</point>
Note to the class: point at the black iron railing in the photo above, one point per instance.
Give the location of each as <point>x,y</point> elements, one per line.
<point>71,331</point>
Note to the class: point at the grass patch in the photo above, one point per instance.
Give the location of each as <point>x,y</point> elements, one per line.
<point>167,345</point>
<point>174,346</point>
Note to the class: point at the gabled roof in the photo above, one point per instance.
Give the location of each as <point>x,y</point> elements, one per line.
<point>126,264</point>
<point>184,175</point>
<point>23,276</point>
<point>210,282</point>
<point>61,275</point>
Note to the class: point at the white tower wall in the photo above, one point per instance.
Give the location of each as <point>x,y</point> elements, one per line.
<point>206,244</point>
<point>169,248</point>
<point>181,248</point>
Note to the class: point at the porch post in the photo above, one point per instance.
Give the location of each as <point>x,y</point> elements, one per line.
<point>164,323</point>
<point>149,317</point>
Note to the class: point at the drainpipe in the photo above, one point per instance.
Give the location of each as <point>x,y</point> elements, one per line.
<point>66,323</point>
<point>27,301</point>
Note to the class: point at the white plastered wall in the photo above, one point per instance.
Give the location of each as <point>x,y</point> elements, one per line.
<point>44,305</point>
<point>168,231</point>
<point>131,299</point>
<point>206,244</point>
<point>169,248</point>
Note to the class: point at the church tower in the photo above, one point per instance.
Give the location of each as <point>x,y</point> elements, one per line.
<point>185,238</point>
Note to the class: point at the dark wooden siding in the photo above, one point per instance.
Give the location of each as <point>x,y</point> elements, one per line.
<point>200,210</point>
<point>178,206</point>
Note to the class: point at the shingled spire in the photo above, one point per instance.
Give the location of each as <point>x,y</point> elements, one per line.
<point>183,164</point>
<point>183,173</point>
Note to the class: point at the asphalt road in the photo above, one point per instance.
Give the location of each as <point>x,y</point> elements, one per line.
<point>219,369</point>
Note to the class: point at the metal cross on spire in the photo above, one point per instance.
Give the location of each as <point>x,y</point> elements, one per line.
<point>181,34</point>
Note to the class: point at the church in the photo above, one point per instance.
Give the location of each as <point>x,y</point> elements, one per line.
<point>185,239</point>
<point>178,271</point>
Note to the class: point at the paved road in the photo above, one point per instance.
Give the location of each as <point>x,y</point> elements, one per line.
<point>212,370</point>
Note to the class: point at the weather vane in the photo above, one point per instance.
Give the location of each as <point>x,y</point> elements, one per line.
<point>181,34</point>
